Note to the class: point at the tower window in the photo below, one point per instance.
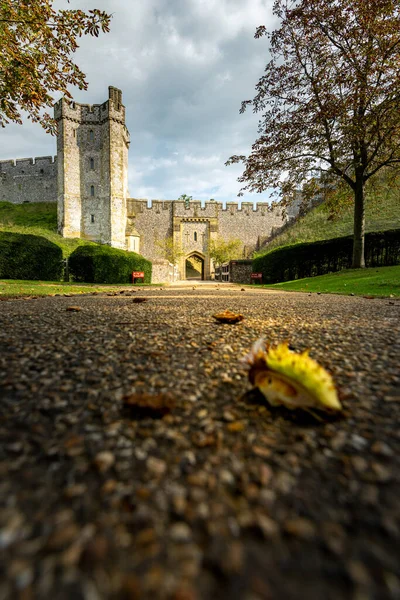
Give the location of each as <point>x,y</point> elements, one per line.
<point>92,164</point>
<point>92,190</point>
<point>195,236</point>
<point>91,135</point>
<point>92,218</point>
<point>74,133</point>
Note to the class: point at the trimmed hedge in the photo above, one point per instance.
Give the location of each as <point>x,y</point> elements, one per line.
<point>327,256</point>
<point>103,264</point>
<point>29,257</point>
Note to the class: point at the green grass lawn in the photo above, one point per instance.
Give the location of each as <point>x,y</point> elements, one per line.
<point>38,218</point>
<point>12,287</point>
<point>382,281</point>
<point>382,212</point>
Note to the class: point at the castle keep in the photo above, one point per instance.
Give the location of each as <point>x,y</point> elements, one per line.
<point>92,161</point>
<point>89,181</point>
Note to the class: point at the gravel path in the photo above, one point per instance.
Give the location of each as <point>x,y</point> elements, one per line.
<point>199,491</point>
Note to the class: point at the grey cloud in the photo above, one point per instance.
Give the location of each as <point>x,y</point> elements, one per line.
<point>184,67</point>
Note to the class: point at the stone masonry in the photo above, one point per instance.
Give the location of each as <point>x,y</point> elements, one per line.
<point>88,180</point>
<point>92,149</point>
<point>28,180</point>
<point>193,226</point>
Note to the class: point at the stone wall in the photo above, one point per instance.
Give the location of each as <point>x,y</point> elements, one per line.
<point>240,271</point>
<point>119,141</point>
<point>250,225</point>
<point>89,182</point>
<point>92,147</point>
<point>163,272</point>
<point>193,226</point>
<point>153,224</point>
<point>29,180</point>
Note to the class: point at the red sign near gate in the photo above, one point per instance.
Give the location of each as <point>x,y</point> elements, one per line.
<point>256,275</point>
<point>137,275</point>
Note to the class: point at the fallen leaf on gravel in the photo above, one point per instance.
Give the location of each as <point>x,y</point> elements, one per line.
<point>203,441</point>
<point>139,300</point>
<point>228,317</point>
<point>235,427</point>
<point>73,440</point>
<point>73,309</point>
<point>149,405</point>
<point>291,379</point>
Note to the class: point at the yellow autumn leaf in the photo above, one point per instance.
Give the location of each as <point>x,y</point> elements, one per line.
<point>291,379</point>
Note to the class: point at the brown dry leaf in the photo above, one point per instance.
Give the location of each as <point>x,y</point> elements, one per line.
<point>203,441</point>
<point>73,308</point>
<point>144,405</point>
<point>235,426</point>
<point>73,441</point>
<point>228,317</point>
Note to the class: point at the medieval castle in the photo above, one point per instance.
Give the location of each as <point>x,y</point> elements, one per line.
<point>89,181</point>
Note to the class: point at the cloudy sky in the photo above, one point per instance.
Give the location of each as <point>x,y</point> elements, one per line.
<point>184,67</point>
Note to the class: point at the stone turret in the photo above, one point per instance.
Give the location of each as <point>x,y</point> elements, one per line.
<point>92,150</point>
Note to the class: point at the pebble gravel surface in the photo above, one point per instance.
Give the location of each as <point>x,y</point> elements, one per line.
<point>136,462</point>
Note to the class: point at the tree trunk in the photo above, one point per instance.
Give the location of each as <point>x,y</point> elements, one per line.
<point>359,225</point>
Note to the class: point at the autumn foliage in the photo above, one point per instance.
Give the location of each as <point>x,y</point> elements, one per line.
<point>37,43</point>
<point>330,101</point>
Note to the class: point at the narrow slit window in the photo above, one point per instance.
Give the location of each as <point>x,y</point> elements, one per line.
<point>92,190</point>
<point>91,135</point>
<point>92,164</point>
<point>195,236</point>
<point>74,133</point>
<point>92,218</point>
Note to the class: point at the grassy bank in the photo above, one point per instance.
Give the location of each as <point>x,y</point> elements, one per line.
<point>384,281</point>
<point>11,287</point>
<point>382,213</point>
<point>36,219</point>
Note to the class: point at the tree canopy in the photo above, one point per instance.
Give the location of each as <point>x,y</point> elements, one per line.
<point>37,43</point>
<point>222,250</point>
<point>169,249</point>
<point>330,100</point>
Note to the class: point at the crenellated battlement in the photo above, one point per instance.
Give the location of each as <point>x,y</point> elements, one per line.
<point>18,163</point>
<point>89,182</point>
<point>194,207</point>
<point>193,225</point>
<point>92,114</point>
<point>29,179</point>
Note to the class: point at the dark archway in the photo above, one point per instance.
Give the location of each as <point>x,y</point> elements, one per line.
<point>194,267</point>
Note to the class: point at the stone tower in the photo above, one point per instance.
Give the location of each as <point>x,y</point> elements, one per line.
<point>92,156</point>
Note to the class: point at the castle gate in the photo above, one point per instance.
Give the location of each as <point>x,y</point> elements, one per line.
<point>194,266</point>
<point>193,236</point>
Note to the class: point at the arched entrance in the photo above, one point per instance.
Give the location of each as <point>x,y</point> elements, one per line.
<point>194,267</point>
